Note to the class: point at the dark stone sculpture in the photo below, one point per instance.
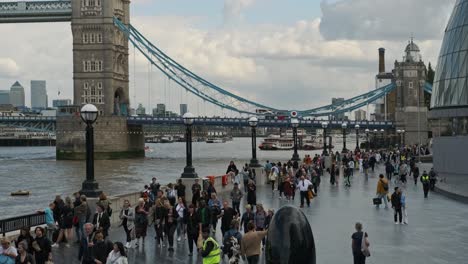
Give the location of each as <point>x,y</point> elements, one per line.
<point>290,239</point>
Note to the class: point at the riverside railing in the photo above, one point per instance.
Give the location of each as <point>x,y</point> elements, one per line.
<point>18,222</point>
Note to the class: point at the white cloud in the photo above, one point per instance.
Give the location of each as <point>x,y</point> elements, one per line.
<point>384,20</point>
<point>232,9</point>
<point>8,67</point>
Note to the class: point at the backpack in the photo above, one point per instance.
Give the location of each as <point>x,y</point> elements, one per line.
<point>385,185</point>
<point>230,241</point>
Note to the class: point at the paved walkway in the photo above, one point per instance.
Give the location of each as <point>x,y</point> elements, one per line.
<point>436,233</point>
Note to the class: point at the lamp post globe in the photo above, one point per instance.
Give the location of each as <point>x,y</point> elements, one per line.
<point>403,136</point>
<point>367,139</point>
<point>344,126</point>
<point>189,170</point>
<point>324,126</point>
<point>89,114</point>
<point>357,135</point>
<point>253,122</point>
<point>295,125</point>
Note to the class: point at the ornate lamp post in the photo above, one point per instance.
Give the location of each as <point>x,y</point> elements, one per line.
<point>399,137</point>
<point>367,138</point>
<point>295,125</point>
<point>357,136</point>
<point>253,121</point>
<point>383,138</point>
<point>89,115</point>
<point>375,137</point>
<point>324,126</point>
<point>344,126</point>
<point>403,136</point>
<point>189,170</point>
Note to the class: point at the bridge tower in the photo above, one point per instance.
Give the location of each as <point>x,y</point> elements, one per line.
<point>410,110</point>
<point>100,77</point>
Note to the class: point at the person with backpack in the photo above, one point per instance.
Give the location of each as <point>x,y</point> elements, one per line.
<point>228,239</point>
<point>382,190</point>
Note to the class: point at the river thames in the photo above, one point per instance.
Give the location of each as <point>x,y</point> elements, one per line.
<point>36,169</point>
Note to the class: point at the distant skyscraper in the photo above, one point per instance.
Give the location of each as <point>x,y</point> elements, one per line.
<point>38,95</point>
<point>4,97</point>
<point>161,110</point>
<point>17,95</point>
<point>183,109</point>
<point>338,116</point>
<point>61,102</point>
<point>359,115</point>
<point>140,110</point>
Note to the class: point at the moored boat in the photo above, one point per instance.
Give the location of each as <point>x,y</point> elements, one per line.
<point>21,193</point>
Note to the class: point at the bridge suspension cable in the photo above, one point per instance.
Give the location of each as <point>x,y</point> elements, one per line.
<point>215,95</point>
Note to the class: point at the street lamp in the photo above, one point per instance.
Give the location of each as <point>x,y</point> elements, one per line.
<point>382,135</point>
<point>189,170</point>
<point>295,124</point>
<point>357,136</point>
<point>324,126</point>
<point>253,121</point>
<point>367,139</point>
<point>89,114</point>
<point>403,136</point>
<point>344,126</point>
<point>398,132</point>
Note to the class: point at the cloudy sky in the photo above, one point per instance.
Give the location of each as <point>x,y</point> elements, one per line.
<point>294,54</point>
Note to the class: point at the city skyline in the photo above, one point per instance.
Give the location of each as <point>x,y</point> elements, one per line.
<point>259,48</point>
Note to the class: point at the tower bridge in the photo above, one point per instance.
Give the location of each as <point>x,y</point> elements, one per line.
<point>101,33</point>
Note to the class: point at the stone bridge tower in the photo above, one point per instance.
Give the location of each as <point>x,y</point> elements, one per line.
<point>100,77</point>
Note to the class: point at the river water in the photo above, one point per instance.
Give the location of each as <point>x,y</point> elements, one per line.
<point>37,170</point>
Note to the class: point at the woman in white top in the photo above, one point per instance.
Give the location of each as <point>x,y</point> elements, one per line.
<point>118,255</point>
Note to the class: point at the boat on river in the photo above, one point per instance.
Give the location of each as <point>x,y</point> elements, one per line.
<point>21,193</point>
<point>276,142</point>
<point>215,140</point>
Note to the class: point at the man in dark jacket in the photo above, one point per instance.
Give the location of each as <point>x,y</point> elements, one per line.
<point>396,205</point>
<point>101,220</point>
<point>101,248</point>
<point>86,252</point>
<point>227,215</point>
<point>389,169</point>
<point>193,227</point>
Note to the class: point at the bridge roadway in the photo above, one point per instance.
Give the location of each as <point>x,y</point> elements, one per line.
<point>436,233</point>
<point>43,123</point>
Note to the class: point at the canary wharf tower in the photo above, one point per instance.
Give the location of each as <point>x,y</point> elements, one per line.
<point>449,104</point>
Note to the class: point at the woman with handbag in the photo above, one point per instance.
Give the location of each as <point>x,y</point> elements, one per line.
<point>360,245</point>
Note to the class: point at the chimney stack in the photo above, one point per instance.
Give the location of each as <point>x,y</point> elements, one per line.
<point>381,60</point>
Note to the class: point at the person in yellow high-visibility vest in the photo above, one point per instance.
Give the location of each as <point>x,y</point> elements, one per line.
<point>211,252</point>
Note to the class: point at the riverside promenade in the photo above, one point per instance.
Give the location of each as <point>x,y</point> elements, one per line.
<point>436,233</point>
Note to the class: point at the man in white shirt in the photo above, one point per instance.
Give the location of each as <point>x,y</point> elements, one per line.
<point>303,186</point>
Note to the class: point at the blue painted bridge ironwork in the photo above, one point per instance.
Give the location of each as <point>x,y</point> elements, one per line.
<point>40,123</point>
<point>35,11</point>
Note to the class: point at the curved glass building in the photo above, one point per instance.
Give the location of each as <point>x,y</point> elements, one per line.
<point>451,79</point>
<point>449,107</point>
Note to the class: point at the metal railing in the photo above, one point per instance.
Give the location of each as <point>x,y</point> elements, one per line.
<point>18,222</point>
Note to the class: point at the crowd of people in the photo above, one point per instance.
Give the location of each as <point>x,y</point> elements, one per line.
<point>177,218</point>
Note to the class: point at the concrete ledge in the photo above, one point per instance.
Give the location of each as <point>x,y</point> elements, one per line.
<point>68,155</point>
<point>463,198</point>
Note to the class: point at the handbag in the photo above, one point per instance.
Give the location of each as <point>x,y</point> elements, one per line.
<point>75,220</point>
<point>364,247</point>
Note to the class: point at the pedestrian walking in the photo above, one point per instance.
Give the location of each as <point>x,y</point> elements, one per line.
<point>227,215</point>
<point>251,194</point>
<point>170,223</point>
<point>250,245</point>
<point>403,207</point>
<point>432,179</point>
<point>236,197</point>
<point>127,217</point>
<point>260,220</point>
<point>396,205</point>
<point>193,228</point>
<point>211,251</point>
<point>117,255</point>
<point>382,190</point>
<point>360,245</point>
<point>247,217</point>
<point>196,192</point>
<point>42,246</point>
<point>141,221</point>
<point>425,180</point>
<point>101,220</point>
<point>303,187</point>
<point>181,224</point>
<point>415,174</point>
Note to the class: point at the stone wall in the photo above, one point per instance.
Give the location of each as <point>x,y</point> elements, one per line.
<point>113,138</point>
